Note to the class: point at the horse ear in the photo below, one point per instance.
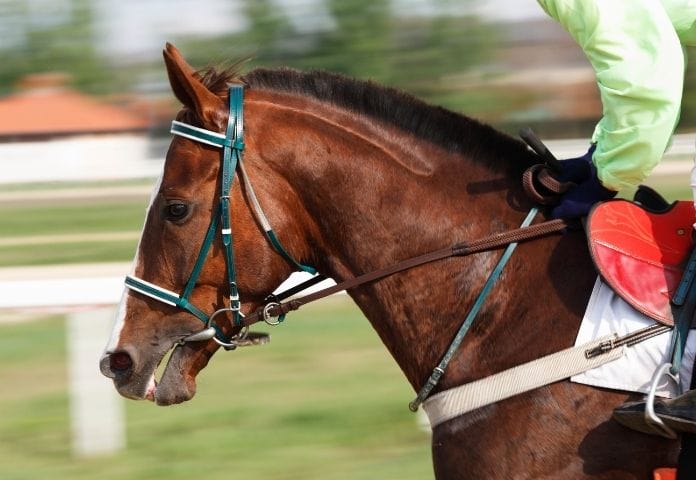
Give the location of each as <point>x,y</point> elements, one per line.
<point>188,88</point>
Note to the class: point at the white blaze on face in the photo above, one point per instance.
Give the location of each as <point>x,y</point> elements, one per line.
<point>118,323</point>
<point>123,305</point>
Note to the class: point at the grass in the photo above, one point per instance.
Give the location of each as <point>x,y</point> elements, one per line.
<point>69,252</point>
<point>69,217</point>
<point>323,401</point>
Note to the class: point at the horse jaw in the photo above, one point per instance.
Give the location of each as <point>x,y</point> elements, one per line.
<point>178,382</point>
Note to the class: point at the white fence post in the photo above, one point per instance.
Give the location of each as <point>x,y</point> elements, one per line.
<point>96,410</point>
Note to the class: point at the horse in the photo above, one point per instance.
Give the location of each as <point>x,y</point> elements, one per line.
<point>355,176</point>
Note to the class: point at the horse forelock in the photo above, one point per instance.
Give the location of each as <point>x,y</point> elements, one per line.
<point>218,80</point>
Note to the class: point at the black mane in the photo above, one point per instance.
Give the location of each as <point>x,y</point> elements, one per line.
<point>450,130</point>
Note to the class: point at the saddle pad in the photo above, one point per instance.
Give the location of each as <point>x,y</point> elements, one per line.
<point>608,313</point>
<point>642,254</point>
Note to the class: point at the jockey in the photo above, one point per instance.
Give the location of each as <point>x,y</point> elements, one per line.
<point>635,49</point>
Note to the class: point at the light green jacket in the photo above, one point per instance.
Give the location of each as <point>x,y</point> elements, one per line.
<point>635,49</point>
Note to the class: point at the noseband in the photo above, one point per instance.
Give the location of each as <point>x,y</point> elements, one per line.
<point>232,145</point>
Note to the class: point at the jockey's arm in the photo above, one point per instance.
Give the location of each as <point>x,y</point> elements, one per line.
<point>639,64</point>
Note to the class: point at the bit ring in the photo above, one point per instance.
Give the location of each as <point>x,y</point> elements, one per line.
<point>267,314</point>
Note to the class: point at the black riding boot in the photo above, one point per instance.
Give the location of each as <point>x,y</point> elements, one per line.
<point>679,414</point>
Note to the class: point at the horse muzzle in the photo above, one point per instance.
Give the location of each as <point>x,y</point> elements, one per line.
<point>131,382</point>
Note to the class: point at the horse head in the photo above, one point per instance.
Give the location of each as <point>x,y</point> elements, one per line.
<point>183,276</point>
<point>362,148</point>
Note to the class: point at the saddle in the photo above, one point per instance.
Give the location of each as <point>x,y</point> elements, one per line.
<point>641,250</point>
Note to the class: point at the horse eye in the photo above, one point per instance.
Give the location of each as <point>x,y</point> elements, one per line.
<point>176,211</point>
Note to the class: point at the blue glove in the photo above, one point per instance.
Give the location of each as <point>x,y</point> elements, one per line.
<point>576,170</point>
<point>578,200</point>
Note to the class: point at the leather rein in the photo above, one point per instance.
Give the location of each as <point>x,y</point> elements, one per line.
<point>275,309</point>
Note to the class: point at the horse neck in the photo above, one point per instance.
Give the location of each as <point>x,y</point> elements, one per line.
<point>374,196</point>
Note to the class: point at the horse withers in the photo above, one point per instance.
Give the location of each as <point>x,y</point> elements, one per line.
<point>354,177</point>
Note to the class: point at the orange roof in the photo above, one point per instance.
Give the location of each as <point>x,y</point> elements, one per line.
<point>58,111</point>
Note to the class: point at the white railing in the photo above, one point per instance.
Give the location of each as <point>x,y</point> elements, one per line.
<point>87,294</point>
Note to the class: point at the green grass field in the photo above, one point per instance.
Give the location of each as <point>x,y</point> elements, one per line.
<point>322,401</point>
<point>61,223</point>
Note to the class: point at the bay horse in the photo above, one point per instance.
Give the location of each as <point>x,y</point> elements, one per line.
<point>355,176</point>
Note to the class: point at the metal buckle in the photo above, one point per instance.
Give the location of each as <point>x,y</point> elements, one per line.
<point>235,304</point>
<point>209,332</point>
<point>232,344</point>
<point>651,418</point>
<point>268,318</point>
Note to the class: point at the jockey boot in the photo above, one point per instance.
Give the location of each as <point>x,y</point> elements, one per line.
<point>679,414</point>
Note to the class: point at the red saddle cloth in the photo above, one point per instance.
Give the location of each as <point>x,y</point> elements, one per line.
<point>642,254</point>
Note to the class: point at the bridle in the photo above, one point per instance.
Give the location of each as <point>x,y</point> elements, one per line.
<point>232,145</point>
<point>275,310</point>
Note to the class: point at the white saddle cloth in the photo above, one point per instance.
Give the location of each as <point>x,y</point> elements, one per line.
<point>607,313</point>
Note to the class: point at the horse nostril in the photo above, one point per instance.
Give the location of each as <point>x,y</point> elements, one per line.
<point>120,362</point>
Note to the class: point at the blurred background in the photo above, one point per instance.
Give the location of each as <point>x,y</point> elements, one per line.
<point>84,112</point>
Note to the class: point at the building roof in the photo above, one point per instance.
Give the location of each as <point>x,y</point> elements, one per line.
<point>49,110</point>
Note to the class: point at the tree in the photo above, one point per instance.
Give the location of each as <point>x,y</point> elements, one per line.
<point>50,41</point>
<point>366,39</point>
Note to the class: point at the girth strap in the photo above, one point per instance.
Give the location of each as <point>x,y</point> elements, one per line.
<point>552,368</point>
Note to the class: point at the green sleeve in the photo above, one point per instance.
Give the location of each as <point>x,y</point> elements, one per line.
<point>639,65</point>
<point>683,16</point>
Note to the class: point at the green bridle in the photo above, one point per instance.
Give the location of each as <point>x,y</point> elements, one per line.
<point>232,145</point>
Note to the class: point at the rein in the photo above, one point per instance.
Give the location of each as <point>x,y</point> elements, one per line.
<point>278,310</point>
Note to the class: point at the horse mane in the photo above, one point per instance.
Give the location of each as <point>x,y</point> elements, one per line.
<point>448,129</point>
